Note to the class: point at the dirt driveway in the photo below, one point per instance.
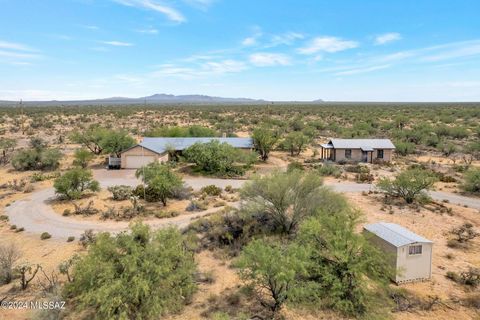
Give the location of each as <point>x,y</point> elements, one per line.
<point>36,216</point>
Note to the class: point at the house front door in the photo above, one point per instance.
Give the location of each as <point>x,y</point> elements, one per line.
<point>364,156</point>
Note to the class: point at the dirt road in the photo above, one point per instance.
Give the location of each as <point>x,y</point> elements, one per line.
<point>36,216</point>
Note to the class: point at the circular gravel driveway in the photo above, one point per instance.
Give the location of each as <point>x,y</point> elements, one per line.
<point>36,216</point>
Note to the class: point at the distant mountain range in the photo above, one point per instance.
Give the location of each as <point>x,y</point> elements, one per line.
<point>158,98</point>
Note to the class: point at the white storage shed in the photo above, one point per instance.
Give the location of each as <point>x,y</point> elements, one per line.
<point>409,253</point>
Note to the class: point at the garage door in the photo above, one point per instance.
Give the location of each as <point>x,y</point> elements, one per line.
<point>135,162</point>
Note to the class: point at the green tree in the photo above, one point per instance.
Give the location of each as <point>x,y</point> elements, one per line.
<point>295,142</point>
<point>472,181</point>
<point>409,184</point>
<point>135,275</point>
<point>215,157</point>
<point>82,157</point>
<point>264,139</point>
<point>37,144</point>
<point>272,269</point>
<point>288,198</point>
<point>74,182</point>
<point>6,146</point>
<point>90,138</point>
<point>114,142</point>
<point>50,159</point>
<point>345,270</point>
<point>160,178</point>
<point>37,159</point>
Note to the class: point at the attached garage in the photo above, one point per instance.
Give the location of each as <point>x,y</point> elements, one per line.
<point>135,162</point>
<point>138,156</point>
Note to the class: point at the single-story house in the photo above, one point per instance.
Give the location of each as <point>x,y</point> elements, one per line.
<point>156,149</point>
<point>358,150</point>
<point>408,253</point>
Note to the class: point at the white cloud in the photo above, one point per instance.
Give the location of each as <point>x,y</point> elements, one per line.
<point>453,51</point>
<point>203,69</point>
<point>15,53</point>
<point>327,44</point>
<point>387,37</point>
<point>249,41</point>
<point>14,46</point>
<point>91,27</point>
<point>287,38</point>
<point>148,31</point>
<point>362,70</point>
<point>170,12</point>
<point>117,43</point>
<point>224,66</point>
<point>264,59</point>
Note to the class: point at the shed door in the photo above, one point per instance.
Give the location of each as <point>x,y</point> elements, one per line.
<point>135,162</point>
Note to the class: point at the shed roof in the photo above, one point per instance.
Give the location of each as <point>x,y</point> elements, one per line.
<point>395,234</point>
<point>160,145</point>
<point>365,144</point>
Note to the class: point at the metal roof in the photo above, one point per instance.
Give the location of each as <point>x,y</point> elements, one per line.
<point>160,145</point>
<point>395,234</point>
<point>365,144</point>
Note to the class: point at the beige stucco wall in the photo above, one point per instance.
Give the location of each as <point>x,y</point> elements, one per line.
<point>414,267</point>
<point>357,155</point>
<point>139,151</point>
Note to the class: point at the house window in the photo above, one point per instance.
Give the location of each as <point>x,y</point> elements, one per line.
<point>414,250</point>
<point>348,153</point>
<point>380,153</point>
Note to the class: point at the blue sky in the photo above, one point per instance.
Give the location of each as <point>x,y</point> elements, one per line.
<point>405,50</point>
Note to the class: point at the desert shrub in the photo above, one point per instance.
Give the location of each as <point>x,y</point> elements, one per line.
<point>295,143</point>
<point>335,277</point>
<point>364,177</point>
<point>45,236</point>
<point>3,217</point>
<point>87,210</point>
<point>462,235</point>
<point>189,131</point>
<point>182,193</point>
<point>275,279</point>
<point>472,181</point>
<point>471,277</point>
<point>329,170</point>
<point>9,255</point>
<point>166,214</point>
<point>87,238</point>
<point>211,190</point>
<point>404,148</point>
<point>217,158</point>
<point>49,159</point>
<point>38,157</point>
<point>70,238</point>
<point>288,198</point>
<point>82,157</point>
<point>295,165</point>
<point>196,205</point>
<point>409,184</point>
<point>74,182</point>
<point>137,274</point>
<point>121,192</point>
<point>161,182</point>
